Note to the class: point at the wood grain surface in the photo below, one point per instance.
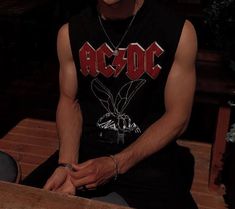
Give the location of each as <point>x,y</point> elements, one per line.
<point>15,196</point>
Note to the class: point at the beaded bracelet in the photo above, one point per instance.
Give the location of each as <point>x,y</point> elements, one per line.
<point>65,165</point>
<point>116,166</point>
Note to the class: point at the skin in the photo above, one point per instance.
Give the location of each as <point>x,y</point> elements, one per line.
<point>178,103</point>
<point>118,9</point>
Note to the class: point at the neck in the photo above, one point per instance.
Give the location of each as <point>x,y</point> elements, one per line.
<point>119,10</point>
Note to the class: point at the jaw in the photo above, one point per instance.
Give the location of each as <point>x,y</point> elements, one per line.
<point>110,2</point>
<point>116,9</point>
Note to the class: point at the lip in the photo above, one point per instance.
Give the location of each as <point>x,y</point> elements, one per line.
<point>111,3</point>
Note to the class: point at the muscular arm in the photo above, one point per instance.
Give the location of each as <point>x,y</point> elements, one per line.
<point>179,93</point>
<point>68,117</point>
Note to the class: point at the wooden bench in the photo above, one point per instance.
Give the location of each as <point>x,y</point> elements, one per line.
<point>32,141</point>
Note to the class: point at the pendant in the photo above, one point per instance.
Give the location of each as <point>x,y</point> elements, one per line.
<point>115,52</point>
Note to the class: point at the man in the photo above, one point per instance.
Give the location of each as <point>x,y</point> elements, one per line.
<point>127,80</point>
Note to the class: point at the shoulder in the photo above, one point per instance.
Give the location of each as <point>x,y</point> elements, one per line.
<point>63,44</point>
<point>188,39</point>
<point>188,30</point>
<point>63,33</point>
<point>63,29</point>
<point>187,48</point>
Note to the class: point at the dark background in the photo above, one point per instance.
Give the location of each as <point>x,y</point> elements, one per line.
<point>29,65</point>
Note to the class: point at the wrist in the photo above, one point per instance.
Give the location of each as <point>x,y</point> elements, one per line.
<point>124,161</point>
<point>65,165</point>
<point>116,166</point>
<point>67,156</point>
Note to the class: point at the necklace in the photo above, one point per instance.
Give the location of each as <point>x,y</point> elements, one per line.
<point>115,51</point>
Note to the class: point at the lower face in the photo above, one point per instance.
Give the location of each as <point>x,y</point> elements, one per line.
<point>110,2</point>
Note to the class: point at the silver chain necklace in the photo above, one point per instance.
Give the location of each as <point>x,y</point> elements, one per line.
<point>115,51</point>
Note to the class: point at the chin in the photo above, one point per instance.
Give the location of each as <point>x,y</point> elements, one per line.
<point>110,2</point>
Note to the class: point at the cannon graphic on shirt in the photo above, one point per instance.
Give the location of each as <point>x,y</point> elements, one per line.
<point>115,119</point>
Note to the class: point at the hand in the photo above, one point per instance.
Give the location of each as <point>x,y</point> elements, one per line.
<point>93,173</point>
<point>60,182</point>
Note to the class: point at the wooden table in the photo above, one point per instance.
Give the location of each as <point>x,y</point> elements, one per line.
<point>30,142</point>
<point>14,196</point>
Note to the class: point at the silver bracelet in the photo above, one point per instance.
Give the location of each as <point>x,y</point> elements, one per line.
<point>116,167</point>
<point>65,165</point>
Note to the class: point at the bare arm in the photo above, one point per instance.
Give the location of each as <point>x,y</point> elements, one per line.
<point>179,93</point>
<point>69,118</point>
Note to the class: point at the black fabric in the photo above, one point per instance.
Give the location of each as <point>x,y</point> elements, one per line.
<point>122,104</point>
<point>8,168</point>
<point>153,23</point>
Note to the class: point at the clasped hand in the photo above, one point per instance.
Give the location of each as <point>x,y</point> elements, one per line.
<point>90,174</point>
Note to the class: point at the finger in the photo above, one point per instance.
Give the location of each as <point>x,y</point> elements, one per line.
<point>81,173</point>
<point>83,181</point>
<point>49,185</point>
<point>90,186</point>
<point>53,184</point>
<point>77,167</point>
<point>66,190</point>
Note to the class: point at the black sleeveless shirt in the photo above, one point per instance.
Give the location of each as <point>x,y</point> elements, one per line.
<point>122,95</point>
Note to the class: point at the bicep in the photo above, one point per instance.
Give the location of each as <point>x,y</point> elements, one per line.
<point>180,86</point>
<point>67,75</point>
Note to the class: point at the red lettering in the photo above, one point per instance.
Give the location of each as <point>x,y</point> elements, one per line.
<point>87,55</point>
<point>134,58</point>
<point>135,61</point>
<point>103,52</point>
<point>119,61</point>
<point>153,50</point>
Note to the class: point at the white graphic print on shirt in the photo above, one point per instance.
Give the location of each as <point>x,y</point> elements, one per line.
<point>115,119</point>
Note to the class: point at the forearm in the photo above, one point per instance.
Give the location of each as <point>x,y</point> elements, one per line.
<point>157,136</point>
<point>69,126</point>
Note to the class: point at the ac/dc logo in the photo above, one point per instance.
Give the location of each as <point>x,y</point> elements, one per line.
<point>134,58</point>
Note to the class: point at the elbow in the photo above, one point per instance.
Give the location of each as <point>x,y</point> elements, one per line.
<point>182,126</point>
<point>178,121</point>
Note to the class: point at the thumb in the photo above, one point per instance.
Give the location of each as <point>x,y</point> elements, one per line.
<point>50,185</point>
<point>77,167</point>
